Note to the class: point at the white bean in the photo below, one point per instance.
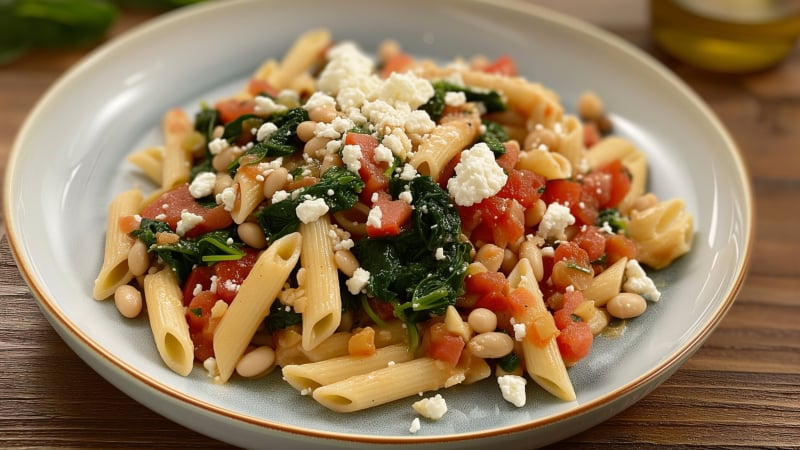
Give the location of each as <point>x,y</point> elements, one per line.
<point>128,301</point>
<point>256,363</point>
<point>492,344</point>
<point>626,305</point>
<point>482,320</point>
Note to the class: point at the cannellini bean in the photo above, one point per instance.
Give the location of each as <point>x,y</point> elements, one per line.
<point>323,113</point>
<point>138,259</point>
<point>346,262</point>
<point>491,256</point>
<point>590,107</point>
<point>492,344</point>
<point>305,130</point>
<point>256,363</point>
<point>252,234</point>
<point>482,320</point>
<point>275,181</point>
<point>128,301</point>
<point>222,182</point>
<point>626,305</point>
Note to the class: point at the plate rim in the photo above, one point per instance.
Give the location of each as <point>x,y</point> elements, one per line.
<point>574,25</point>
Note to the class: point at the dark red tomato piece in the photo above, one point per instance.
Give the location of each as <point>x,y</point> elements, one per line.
<point>395,214</point>
<point>504,217</point>
<point>201,327</point>
<point>199,276</point>
<point>592,241</point>
<point>399,62</point>
<point>229,110</point>
<point>444,346</point>
<point>569,301</point>
<point>257,86</point>
<point>564,192</point>
<point>575,342</point>
<point>169,206</point>
<point>231,274</point>
<point>371,171</point>
<point>503,65</point>
<point>510,158</point>
<point>620,182</point>
<point>523,186</point>
<point>485,282</point>
<point>494,301</point>
<point>384,310</point>
<point>572,253</point>
<point>618,246</point>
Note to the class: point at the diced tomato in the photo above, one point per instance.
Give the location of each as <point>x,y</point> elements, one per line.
<point>485,282</point>
<point>591,240</point>
<point>173,202</point>
<point>503,65</point>
<point>620,182</point>
<point>505,218</point>
<point>493,301</point>
<point>201,327</point>
<point>384,310</point>
<point>257,86</point>
<point>523,186</point>
<point>444,346</point>
<point>510,158</point>
<point>231,274</point>
<point>575,342</point>
<point>399,62</point>
<point>569,301</point>
<point>229,110</point>
<point>563,192</point>
<point>618,246</point>
<point>571,267</point>
<point>394,215</point>
<point>128,224</point>
<point>449,170</point>
<point>200,275</point>
<point>520,300</point>
<point>371,171</point>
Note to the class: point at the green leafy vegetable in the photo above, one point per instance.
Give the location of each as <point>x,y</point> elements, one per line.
<point>279,318</point>
<point>183,255</point>
<point>338,187</point>
<point>509,363</point>
<point>491,100</point>
<point>420,271</point>
<point>612,217</point>
<point>494,136</point>
<point>281,142</point>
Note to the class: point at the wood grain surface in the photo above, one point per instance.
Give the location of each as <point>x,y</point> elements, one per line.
<point>740,390</point>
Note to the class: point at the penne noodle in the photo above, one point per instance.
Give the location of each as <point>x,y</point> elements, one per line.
<point>323,308</point>
<point>253,301</point>
<point>167,318</point>
<point>114,271</point>
<point>177,160</point>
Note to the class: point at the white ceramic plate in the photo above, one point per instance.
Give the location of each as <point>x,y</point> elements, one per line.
<point>111,104</point>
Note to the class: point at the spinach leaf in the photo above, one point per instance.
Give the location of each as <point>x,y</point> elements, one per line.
<point>281,142</point>
<point>491,100</point>
<point>612,217</point>
<point>338,187</point>
<point>279,318</point>
<point>494,136</point>
<point>420,271</point>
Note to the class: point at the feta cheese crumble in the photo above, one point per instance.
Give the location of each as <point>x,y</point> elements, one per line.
<point>513,389</point>
<point>555,220</point>
<point>203,184</point>
<point>374,217</point>
<point>351,157</point>
<point>358,281</point>
<point>477,176</point>
<point>432,408</point>
<point>187,222</point>
<point>637,282</point>
<point>312,209</point>
<point>414,426</point>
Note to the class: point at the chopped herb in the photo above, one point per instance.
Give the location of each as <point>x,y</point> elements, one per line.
<point>197,312</point>
<point>494,137</point>
<point>578,267</point>
<point>491,100</point>
<point>612,217</point>
<point>509,363</point>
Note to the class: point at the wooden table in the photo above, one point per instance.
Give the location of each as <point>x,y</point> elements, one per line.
<point>741,389</point>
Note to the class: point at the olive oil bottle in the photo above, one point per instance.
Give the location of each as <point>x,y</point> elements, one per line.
<point>731,36</point>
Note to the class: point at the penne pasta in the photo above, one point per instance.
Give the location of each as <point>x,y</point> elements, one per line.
<point>177,159</point>
<point>168,320</point>
<point>151,161</point>
<point>256,295</point>
<point>323,308</point>
<point>114,271</point>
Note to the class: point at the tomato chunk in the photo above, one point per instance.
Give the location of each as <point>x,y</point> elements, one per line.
<point>229,110</point>
<point>231,274</point>
<point>503,65</point>
<point>444,346</point>
<point>257,86</point>
<point>523,186</point>
<point>618,246</point>
<point>510,158</point>
<point>564,192</point>
<point>371,171</point>
<point>199,276</point>
<point>575,342</point>
<point>399,62</point>
<point>620,182</point>
<point>201,326</point>
<point>170,205</point>
<point>394,215</point>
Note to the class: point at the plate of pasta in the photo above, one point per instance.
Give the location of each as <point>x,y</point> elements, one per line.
<point>469,227</point>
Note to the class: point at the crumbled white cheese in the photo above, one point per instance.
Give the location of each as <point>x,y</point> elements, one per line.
<point>266,130</point>
<point>520,331</point>
<point>383,154</point>
<point>439,254</point>
<point>319,99</point>
<point>554,221</point>
<point>187,222</point>
<point>227,197</point>
<point>279,196</point>
<point>265,106</point>
<point>374,217</point>
<point>405,88</point>
<point>408,173</point>
<point>312,209</point>
<point>358,281</point>
<point>351,157</point>
<point>217,145</point>
<point>347,66</point>
<point>210,364</point>
<point>513,389</point>
<point>638,282</point>
<point>406,196</point>
<point>455,98</point>
<point>414,426</point>
<point>477,176</point>
<point>432,408</point>
<point>203,184</point>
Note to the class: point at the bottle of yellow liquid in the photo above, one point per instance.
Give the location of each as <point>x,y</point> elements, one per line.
<point>732,36</point>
